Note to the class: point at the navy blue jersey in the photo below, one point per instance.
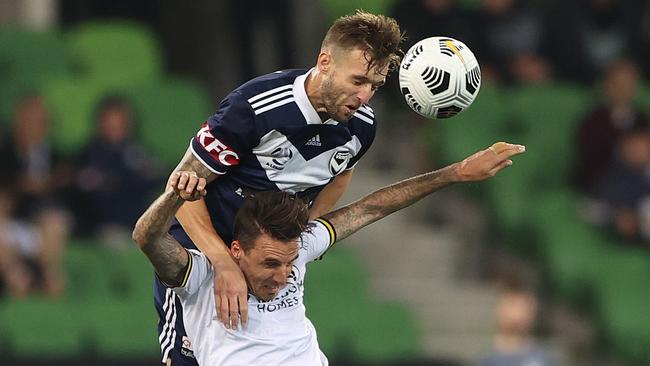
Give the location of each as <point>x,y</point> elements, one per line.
<point>266,135</point>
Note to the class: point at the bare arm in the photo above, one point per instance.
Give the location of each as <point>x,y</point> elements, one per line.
<point>230,288</point>
<point>332,192</point>
<point>383,202</point>
<point>165,254</point>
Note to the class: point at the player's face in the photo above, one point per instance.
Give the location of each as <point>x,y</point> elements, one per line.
<point>348,84</point>
<point>267,265</point>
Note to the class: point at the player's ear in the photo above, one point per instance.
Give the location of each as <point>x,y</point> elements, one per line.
<point>236,250</point>
<point>324,61</point>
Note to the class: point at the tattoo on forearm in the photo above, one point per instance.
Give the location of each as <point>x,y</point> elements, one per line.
<point>164,252</point>
<point>192,164</point>
<point>168,258</point>
<point>387,200</point>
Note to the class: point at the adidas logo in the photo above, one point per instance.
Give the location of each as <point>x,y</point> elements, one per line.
<point>314,141</point>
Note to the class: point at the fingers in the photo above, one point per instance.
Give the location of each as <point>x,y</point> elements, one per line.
<point>502,165</point>
<point>217,297</point>
<point>173,180</point>
<point>243,309</point>
<point>224,310</point>
<point>505,150</point>
<point>234,312</point>
<point>188,185</point>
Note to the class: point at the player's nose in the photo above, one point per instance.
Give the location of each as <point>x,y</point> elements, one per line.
<point>365,93</point>
<point>280,277</point>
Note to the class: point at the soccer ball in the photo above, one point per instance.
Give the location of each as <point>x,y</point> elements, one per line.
<point>439,77</point>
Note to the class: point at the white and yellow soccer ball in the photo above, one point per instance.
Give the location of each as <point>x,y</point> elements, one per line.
<point>439,77</point>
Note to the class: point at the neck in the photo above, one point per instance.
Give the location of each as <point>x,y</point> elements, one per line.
<point>313,89</point>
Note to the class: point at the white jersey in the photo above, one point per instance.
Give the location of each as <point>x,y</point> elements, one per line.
<point>278,331</point>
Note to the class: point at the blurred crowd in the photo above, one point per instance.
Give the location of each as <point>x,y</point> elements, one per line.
<point>604,44</point>
<point>520,41</point>
<point>45,196</point>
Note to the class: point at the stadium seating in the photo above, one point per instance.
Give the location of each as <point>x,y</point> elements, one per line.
<point>72,103</point>
<point>488,119</point>
<point>535,214</point>
<point>543,118</point>
<point>107,311</point>
<point>28,60</point>
<point>349,322</point>
<point>169,114</point>
<point>115,54</point>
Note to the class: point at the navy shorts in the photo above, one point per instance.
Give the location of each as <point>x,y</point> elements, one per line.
<point>174,343</point>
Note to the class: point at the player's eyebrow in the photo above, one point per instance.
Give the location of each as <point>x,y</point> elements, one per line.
<point>275,260</point>
<point>365,79</point>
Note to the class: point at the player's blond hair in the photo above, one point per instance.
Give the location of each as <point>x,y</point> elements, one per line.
<point>377,35</point>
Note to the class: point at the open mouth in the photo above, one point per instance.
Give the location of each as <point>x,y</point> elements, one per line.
<point>351,108</point>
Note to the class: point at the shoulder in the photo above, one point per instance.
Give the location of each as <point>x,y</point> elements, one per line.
<point>363,123</point>
<point>270,84</point>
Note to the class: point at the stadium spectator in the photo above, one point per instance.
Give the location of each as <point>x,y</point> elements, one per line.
<point>272,248</point>
<point>514,344</point>
<point>602,126</point>
<point>624,189</point>
<point>35,177</point>
<point>510,39</point>
<point>114,175</point>
<point>588,35</point>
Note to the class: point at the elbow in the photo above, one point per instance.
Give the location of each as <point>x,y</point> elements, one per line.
<point>139,235</point>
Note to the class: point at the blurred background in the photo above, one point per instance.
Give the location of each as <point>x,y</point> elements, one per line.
<point>547,264</point>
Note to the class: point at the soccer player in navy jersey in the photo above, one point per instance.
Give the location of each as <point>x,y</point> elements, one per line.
<point>298,131</point>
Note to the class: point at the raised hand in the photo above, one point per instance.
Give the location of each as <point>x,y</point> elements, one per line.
<point>231,295</point>
<point>187,185</point>
<point>487,163</point>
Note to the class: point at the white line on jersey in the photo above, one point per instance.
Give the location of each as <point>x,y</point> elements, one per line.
<point>270,92</point>
<point>273,105</point>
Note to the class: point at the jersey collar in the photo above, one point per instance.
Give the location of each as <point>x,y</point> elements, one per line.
<point>307,110</point>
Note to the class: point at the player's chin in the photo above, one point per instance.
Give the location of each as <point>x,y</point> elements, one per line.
<point>343,114</point>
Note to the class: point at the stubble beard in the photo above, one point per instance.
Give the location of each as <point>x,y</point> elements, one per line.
<point>329,93</point>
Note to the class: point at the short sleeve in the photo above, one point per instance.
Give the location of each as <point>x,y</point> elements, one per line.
<point>226,135</point>
<point>315,242</point>
<point>199,270</point>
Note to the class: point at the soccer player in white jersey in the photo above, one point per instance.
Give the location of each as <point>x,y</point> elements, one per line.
<point>298,131</point>
<point>273,243</point>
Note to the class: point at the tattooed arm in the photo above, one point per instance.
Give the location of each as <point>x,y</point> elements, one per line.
<point>381,203</point>
<point>166,255</point>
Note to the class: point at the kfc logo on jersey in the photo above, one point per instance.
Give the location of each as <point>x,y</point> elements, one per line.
<point>217,149</point>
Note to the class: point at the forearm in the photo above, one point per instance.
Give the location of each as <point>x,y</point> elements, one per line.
<point>387,200</point>
<point>328,197</point>
<point>192,164</point>
<point>195,219</point>
<point>165,254</point>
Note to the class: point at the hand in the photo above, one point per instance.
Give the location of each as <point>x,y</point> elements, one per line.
<point>487,163</point>
<point>231,294</point>
<point>187,185</point>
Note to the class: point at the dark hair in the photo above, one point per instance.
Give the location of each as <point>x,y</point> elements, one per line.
<point>378,35</point>
<point>280,215</point>
<point>113,101</point>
